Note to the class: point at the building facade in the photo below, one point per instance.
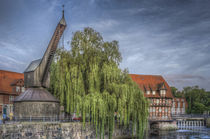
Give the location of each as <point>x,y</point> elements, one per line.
<point>158,92</point>
<point>179,106</point>
<point>11,85</point>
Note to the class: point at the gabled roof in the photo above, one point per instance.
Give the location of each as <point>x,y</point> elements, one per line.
<point>152,82</point>
<point>33,65</point>
<point>162,86</point>
<point>17,82</point>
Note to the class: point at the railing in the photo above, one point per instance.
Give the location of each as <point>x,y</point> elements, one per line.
<point>185,124</point>
<point>191,116</point>
<point>159,104</point>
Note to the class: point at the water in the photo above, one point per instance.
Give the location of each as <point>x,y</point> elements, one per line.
<point>193,133</point>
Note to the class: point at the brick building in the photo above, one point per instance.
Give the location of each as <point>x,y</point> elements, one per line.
<point>179,106</point>
<point>157,90</point>
<point>11,85</point>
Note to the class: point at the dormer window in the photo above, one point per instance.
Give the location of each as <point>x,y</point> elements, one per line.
<point>162,93</point>
<point>148,92</point>
<point>153,92</point>
<point>17,88</point>
<point>23,89</point>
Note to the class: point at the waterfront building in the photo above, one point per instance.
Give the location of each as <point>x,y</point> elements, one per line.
<point>11,85</point>
<point>159,94</point>
<point>179,106</point>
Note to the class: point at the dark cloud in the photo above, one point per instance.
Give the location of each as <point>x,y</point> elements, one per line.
<point>188,80</point>
<point>167,37</point>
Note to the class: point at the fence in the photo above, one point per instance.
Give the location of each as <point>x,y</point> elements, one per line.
<point>191,116</point>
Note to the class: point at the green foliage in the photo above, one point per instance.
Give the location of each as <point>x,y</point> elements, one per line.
<point>176,93</point>
<point>88,81</point>
<point>198,100</point>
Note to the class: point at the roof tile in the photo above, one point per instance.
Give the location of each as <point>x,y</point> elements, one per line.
<point>152,83</point>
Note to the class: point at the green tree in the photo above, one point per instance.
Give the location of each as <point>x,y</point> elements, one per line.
<point>198,99</point>
<point>87,80</point>
<point>176,93</point>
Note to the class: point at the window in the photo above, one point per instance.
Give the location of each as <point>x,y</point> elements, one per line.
<point>178,111</point>
<point>148,92</point>
<point>151,101</point>
<point>11,109</point>
<point>178,104</point>
<point>162,92</point>
<point>11,98</point>
<point>23,89</point>
<point>166,109</point>
<point>153,109</point>
<point>160,109</point>
<point>17,88</point>
<point>150,109</point>
<point>153,92</point>
<point>157,101</point>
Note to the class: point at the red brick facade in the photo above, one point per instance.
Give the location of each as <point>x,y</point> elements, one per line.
<point>157,90</point>
<point>11,85</point>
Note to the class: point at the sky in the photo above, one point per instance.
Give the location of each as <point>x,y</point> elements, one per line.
<point>156,37</point>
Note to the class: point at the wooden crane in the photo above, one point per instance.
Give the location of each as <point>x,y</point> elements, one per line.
<point>37,73</point>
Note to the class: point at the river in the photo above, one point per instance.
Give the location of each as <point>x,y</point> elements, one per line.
<point>194,133</point>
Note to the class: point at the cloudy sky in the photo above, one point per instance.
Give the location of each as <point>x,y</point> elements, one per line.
<point>161,37</point>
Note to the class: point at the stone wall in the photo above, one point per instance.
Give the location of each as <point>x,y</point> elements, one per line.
<point>46,130</point>
<point>36,109</point>
<point>163,126</point>
<point>167,126</point>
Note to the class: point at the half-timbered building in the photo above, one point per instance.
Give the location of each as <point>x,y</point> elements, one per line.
<point>11,85</point>
<point>158,92</point>
<point>179,106</point>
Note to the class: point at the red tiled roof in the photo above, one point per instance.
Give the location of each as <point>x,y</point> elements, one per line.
<point>154,82</point>
<point>7,78</point>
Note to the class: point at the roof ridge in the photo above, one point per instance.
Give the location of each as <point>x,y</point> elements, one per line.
<point>10,71</point>
<point>145,75</point>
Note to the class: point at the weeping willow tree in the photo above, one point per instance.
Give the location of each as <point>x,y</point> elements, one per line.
<point>87,80</point>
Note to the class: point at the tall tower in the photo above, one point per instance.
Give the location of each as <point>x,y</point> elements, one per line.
<point>36,101</point>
